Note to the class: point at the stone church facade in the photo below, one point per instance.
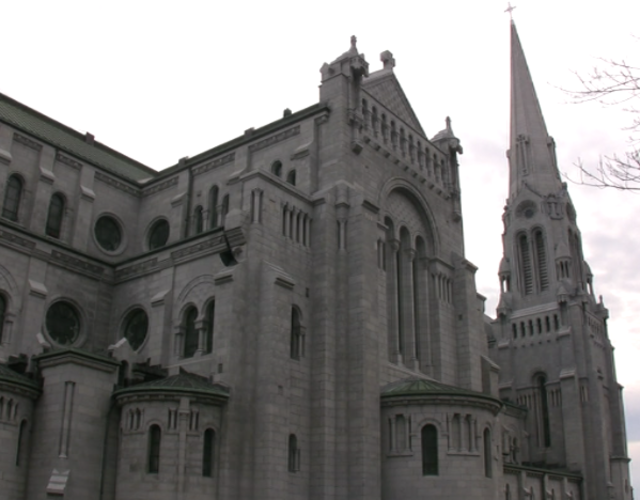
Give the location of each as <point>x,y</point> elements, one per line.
<point>290,315</point>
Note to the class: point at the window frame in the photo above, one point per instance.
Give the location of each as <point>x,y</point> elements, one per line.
<point>429,445</point>
<point>12,200</point>
<point>208,452</point>
<point>53,227</point>
<point>190,317</point>
<point>154,444</point>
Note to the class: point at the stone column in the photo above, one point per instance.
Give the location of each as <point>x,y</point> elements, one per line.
<point>408,307</point>
<point>392,301</point>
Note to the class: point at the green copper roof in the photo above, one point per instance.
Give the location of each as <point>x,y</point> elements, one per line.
<point>423,387</point>
<point>184,382</point>
<point>70,141</point>
<point>14,378</point>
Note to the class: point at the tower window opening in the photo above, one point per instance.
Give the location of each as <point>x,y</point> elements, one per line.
<point>526,264</point>
<point>541,255</point>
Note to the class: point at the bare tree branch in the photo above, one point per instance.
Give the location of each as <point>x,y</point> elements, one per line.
<point>612,83</point>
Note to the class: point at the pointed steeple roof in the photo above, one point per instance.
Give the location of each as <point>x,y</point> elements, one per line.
<point>532,150</point>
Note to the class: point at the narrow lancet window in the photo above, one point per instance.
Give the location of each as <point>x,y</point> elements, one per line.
<point>208,449</point>
<point>541,255</point>
<point>294,454</point>
<point>487,453</point>
<point>190,332</point>
<point>55,215</point>
<point>12,197</point>
<point>526,264</point>
<point>429,450</point>
<point>210,315</point>
<point>153,457</point>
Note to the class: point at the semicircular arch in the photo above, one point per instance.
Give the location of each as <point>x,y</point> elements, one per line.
<point>419,203</point>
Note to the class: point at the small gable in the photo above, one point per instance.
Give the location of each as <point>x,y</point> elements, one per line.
<point>384,87</point>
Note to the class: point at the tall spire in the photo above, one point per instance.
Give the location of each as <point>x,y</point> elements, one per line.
<point>532,151</point>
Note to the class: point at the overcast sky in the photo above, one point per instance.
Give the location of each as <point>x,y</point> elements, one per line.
<point>161,80</point>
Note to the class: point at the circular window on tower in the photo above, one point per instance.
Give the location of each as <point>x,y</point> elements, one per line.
<point>108,233</point>
<point>63,323</point>
<point>526,209</point>
<point>136,324</point>
<point>158,234</point>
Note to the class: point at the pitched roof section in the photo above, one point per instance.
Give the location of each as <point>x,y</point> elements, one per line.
<point>184,382</point>
<point>8,376</point>
<point>384,86</point>
<point>71,141</point>
<point>423,387</point>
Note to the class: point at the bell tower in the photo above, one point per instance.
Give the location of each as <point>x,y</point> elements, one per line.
<point>551,333</point>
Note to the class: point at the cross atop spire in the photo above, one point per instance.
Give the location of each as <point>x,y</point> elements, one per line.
<point>510,8</point>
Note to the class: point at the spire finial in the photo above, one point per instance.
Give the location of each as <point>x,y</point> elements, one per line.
<point>510,9</point>
<point>353,42</point>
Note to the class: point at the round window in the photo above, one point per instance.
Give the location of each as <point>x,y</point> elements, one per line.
<point>159,234</point>
<point>108,233</point>
<point>63,323</point>
<point>136,325</point>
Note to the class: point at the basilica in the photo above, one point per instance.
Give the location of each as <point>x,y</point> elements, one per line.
<point>291,315</point>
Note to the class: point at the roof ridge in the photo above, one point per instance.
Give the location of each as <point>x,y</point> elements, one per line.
<point>75,134</point>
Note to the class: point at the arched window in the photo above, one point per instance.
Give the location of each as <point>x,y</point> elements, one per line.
<point>541,382</point>
<point>487,452</point>
<point>210,316</point>
<point>541,257</point>
<point>213,207</point>
<point>208,449</point>
<point>198,220</point>
<point>296,334</point>
<point>12,197</point>
<point>526,264</point>
<point>55,215</point>
<point>276,168</point>
<point>190,332</point>
<point>429,450</point>
<point>20,447</point>
<point>294,454</point>
<point>3,312</point>
<point>153,452</point>
<point>291,177</point>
